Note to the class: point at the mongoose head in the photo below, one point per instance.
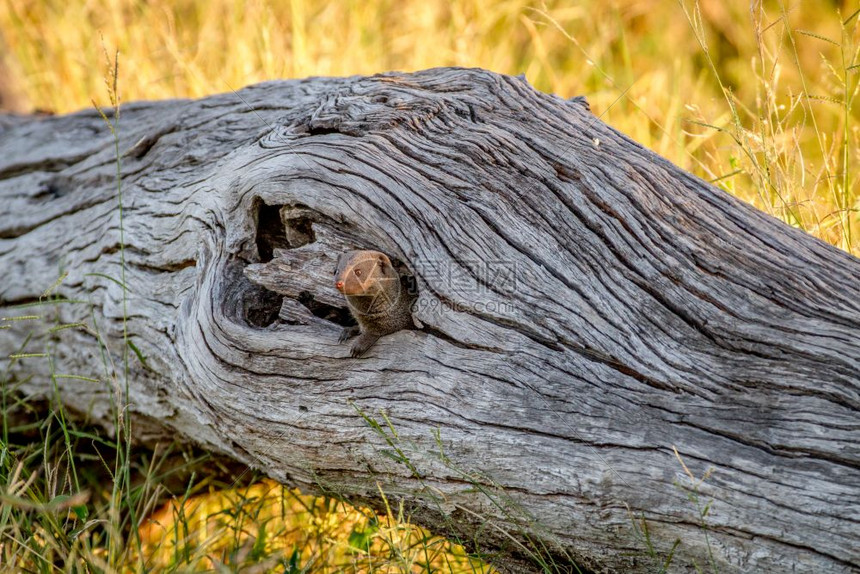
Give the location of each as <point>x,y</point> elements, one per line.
<point>365,273</point>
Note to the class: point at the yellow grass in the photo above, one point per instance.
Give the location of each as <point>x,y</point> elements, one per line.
<point>266,523</point>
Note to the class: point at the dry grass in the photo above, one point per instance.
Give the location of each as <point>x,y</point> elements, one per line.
<point>266,525</point>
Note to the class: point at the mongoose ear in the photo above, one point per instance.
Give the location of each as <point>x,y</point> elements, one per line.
<point>383,260</point>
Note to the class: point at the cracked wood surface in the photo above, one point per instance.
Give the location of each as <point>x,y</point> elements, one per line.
<point>585,306</point>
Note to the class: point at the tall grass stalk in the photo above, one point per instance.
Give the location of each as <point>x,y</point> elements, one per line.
<point>122,417</point>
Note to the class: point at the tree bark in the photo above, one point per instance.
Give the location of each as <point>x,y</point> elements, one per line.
<point>585,309</point>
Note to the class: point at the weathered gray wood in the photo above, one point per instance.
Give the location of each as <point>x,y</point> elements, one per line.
<point>587,307</point>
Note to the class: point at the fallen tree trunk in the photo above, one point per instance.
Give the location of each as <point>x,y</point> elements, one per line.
<point>585,309</point>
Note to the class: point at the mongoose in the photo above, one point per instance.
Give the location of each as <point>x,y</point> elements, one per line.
<point>376,298</point>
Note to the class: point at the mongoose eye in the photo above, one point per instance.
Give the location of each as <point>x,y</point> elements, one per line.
<point>358,272</point>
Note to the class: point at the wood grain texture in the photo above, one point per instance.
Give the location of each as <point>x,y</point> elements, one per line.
<point>586,308</point>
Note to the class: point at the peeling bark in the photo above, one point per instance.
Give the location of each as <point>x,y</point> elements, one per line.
<point>585,307</point>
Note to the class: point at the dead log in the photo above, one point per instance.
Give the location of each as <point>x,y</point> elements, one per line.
<point>585,307</point>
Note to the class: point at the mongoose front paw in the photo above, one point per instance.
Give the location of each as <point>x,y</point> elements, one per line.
<point>362,344</point>
<point>348,333</point>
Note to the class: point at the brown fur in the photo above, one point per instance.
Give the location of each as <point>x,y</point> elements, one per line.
<point>376,298</point>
